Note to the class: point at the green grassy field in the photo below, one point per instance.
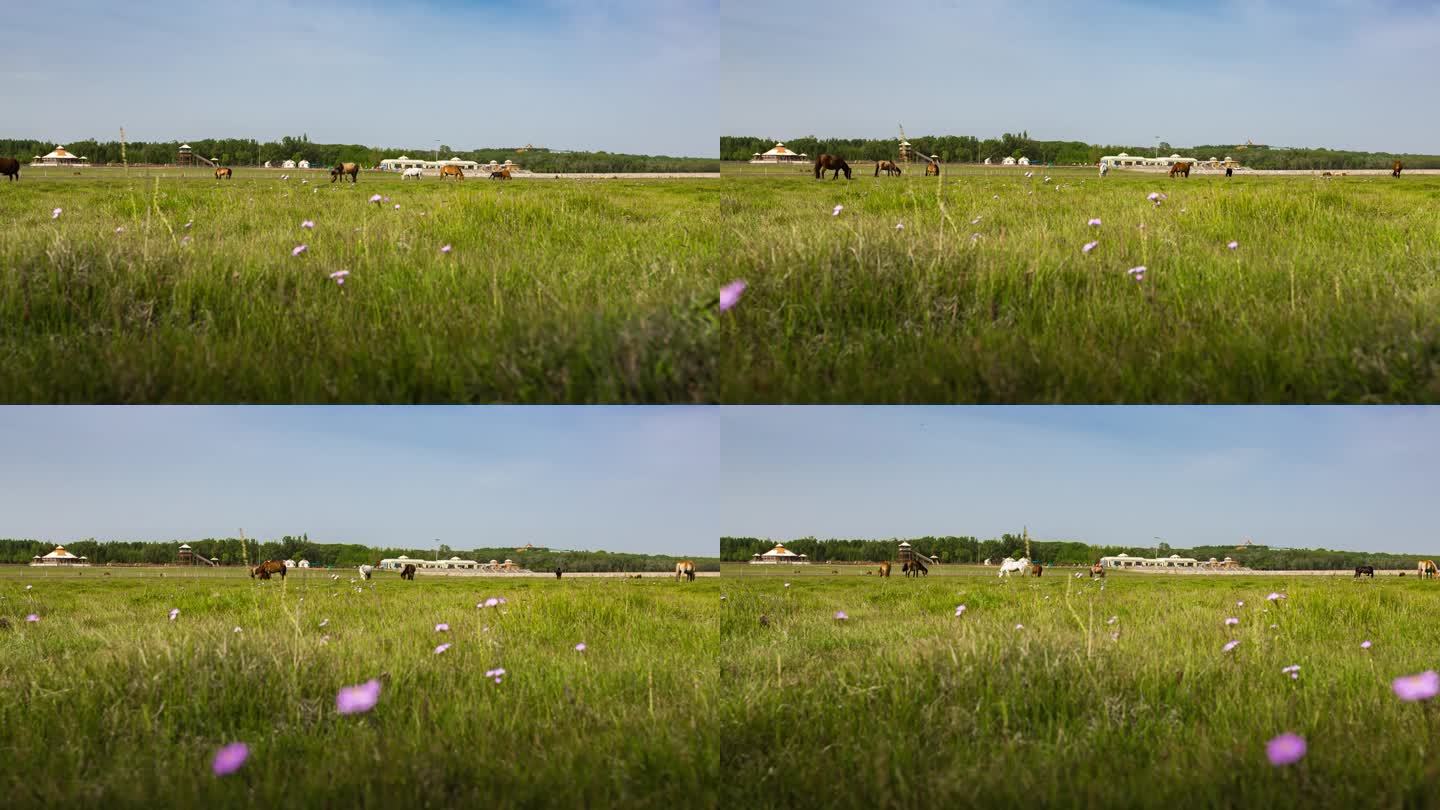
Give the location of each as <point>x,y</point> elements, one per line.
<point>109,703</point>
<point>554,291</point>
<point>985,294</point>
<point>904,704</point>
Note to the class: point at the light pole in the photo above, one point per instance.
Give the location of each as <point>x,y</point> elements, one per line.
<point>437,549</point>
<point>437,151</point>
<point>1158,541</point>
<point>1157,146</point>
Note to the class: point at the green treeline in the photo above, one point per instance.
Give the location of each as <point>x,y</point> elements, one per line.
<point>230,551</point>
<point>971,550</point>
<point>969,149</point>
<point>245,152</point>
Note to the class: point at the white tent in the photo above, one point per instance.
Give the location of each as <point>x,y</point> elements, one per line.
<point>304,164</point>
<point>289,164</point>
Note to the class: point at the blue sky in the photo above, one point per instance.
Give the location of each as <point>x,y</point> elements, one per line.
<point>1340,73</point>
<point>623,479</point>
<point>1342,478</point>
<point>618,75</point>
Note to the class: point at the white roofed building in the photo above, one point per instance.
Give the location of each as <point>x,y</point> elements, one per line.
<point>60,157</point>
<point>59,557</point>
<point>779,153</point>
<point>779,556</point>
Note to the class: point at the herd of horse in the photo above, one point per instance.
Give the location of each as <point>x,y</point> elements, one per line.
<point>684,569</point>
<point>837,164</point>
<point>339,171</point>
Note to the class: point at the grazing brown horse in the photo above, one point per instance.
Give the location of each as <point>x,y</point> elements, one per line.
<point>451,171</point>
<point>685,568</point>
<point>11,168</point>
<point>503,174</point>
<point>222,173</point>
<point>932,169</point>
<point>1395,171</point>
<point>914,568</point>
<point>408,572</point>
<point>1036,570</point>
<point>1365,570</point>
<point>889,167</point>
<point>352,169</point>
<point>265,569</point>
<point>1097,570</point>
<point>885,568</point>
<point>1426,569</point>
<point>1183,167</point>
<point>826,163</point>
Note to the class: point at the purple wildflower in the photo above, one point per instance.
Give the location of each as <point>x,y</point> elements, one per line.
<point>308,224</point>
<point>1230,645</point>
<point>959,610</point>
<point>32,618</point>
<point>837,210</point>
<point>1286,749</point>
<point>442,648</point>
<point>1232,621</point>
<point>442,627</point>
<point>358,698</point>
<point>299,249</point>
<point>497,673</point>
<point>1411,688</point>
<point>730,294</point>
<point>840,615</point>
<point>1138,273</point>
<point>229,758</point>
<point>1089,246</point>
<point>339,276</point>
<point>1095,223</point>
<point>173,613</point>
<point>446,249</point>
<point>1365,645</point>
<point>56,213</point>
<point>580,647</point>
<point>1233,245</point>
<point>375,198</point>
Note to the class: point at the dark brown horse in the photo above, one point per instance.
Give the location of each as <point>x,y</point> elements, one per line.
<point>222,173</point>
<point>1395,171</point>
<point>932,169</point>
<point>914,568</point>
<point>1365,570</point>
<point>1183,167</point>
<point>1036,570</point>
<point>352,169</point>
<point>890,169</point>
<point>11,168</point>
<point>503,174</point>
<point>408,572</point>
<point>265,569</point>
<point>826,163</point>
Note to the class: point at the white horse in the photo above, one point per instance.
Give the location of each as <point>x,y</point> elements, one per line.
<point>365,570</point>
<point>411,172</point>
<point>1020,566</point>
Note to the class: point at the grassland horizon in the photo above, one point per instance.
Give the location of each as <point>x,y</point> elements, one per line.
<point>604,698</point>
<point>1135,691</point>
<point>989,286</point>
<point>175,287</point>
